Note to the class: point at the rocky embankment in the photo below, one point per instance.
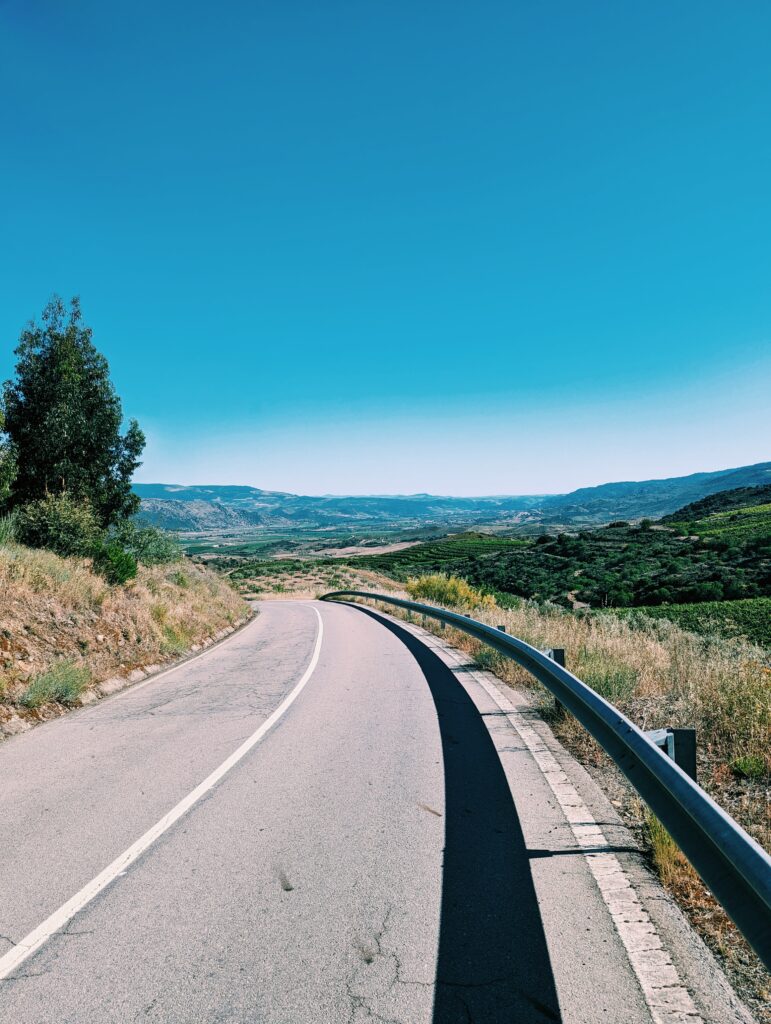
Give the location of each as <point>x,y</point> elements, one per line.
<point>68,638</point>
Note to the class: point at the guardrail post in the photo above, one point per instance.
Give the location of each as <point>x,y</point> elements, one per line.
<point>684,753</point>
<point>679,745</point>
<point>557,654</point>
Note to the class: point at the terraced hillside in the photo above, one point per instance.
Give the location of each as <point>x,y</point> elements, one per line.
<point>733,516</point>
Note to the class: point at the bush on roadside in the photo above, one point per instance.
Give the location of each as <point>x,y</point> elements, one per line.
<point>7,528</point>
<point>58,523</point>
<point>449,590</point>
<point>63,682</point>
<point>115,564</point>
<point>148,544</point>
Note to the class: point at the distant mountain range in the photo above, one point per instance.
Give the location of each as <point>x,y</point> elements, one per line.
<point>238,509</point>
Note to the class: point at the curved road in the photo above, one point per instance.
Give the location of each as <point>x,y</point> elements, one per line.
<point>389,850</point>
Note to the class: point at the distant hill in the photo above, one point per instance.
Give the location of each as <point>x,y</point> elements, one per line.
<point>240,508</point>
<point>649,498</point>
<point>722,501</point>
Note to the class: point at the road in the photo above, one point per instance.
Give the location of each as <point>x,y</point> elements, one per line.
<point>385,847</point>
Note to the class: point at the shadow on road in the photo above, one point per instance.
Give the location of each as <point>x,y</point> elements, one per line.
<point>493,964</point>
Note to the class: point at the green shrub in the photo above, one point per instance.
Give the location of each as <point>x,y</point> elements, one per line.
<point>63,682</point>
<point>749,766</point>
<point>148,544</point>
<point>449,590</point>
<point>176,640</point>
<point>116,565</point>
<point>7,528</point>
<point>58,523</point>
<point>748,617</point>
<point>613,680</point>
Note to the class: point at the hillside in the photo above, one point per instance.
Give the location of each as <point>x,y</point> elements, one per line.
<point>613,566</point>
<point>722,501</point>
<point>242,509</point>
<point>63,629</point>
<point>654,498</point>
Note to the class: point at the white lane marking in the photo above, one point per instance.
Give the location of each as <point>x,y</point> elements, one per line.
<point>667,998</point>
<point>32,942</point>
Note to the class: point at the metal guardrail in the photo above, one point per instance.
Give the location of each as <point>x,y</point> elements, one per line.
<point>730,862</point>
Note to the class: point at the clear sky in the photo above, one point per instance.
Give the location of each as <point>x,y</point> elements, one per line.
<point>491,247</point>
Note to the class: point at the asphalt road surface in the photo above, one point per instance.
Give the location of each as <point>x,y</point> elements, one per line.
<point>385,848</point>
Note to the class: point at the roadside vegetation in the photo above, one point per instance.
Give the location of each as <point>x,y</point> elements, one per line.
<point>64,628</point>
<point>748,619</point>
<point>86,590</point>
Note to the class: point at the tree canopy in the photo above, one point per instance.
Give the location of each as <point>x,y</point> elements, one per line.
<point>63,420</point>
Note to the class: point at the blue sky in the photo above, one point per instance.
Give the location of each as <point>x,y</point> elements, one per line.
<point>394,247</point>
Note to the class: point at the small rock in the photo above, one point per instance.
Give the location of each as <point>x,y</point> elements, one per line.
<point>14,725</point>
<point>108,686</point>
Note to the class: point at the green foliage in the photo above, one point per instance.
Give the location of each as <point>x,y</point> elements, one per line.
<point>63,682</point>
<point>8,464</point>
<point>7,528</point>
<point>732,528</point>
<point>749,766</point>
<point>614,681</point>
<point>148,544</point>
<point>58,523</point>
<point>176,640</point>
<point>722,501</point>
<point>750,618</point>
<point>63,420</point>
<point>448,590</point>
<point>450,555</point>
<point>617,566</point>
<point>116,565</point>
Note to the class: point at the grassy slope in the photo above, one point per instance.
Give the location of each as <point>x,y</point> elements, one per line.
<point>750,618</point>
<point>58,610</point>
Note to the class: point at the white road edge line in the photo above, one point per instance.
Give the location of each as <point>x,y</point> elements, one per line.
<point>31,943</point>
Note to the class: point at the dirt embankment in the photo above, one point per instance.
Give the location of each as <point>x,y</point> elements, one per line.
<point>59,619</point>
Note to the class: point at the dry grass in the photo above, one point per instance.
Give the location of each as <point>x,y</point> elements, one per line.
<point>56,611</point>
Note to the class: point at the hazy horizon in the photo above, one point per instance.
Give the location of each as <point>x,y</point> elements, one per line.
<point>434,494</point>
